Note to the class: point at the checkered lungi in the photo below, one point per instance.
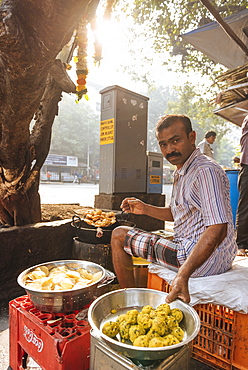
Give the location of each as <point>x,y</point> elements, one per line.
<point>152,247</point>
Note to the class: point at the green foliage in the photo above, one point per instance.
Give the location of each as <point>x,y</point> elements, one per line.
<point>78,125</point>
<point>75,130</point>
<point>189,100</point>
<point>225,153</point>
<point>164,22</point>
<point>159,99</point>
<point>192,102</point>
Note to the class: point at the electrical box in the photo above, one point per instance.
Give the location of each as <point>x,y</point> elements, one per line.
<point>123,141</point>
<point>154,172</point>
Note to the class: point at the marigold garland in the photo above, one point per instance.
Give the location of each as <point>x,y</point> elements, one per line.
<point>81,59</point>
<point>82,42</point>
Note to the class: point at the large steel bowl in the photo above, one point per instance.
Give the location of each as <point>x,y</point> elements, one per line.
<point>135,298</point>
<point>65,300</point>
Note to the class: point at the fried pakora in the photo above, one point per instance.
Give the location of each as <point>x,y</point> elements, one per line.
<point>141,341</point>
<point>111,329</point>
<point>149,328</point>
<point>99,218</point>
<point>135,331</point>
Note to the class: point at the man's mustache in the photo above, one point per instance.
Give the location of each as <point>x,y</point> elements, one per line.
<point>173,154</point>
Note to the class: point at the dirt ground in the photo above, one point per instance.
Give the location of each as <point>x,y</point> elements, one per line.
<point>54,212</point>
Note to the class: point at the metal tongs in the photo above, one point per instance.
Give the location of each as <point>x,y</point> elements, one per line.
<point>123,216</point>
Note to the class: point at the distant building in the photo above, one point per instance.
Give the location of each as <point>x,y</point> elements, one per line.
<point>62,168</point>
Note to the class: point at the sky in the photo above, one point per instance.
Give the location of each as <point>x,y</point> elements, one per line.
<point>115,39</point>
<point>116,54</point>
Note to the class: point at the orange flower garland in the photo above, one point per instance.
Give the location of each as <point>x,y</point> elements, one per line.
<point>82,42</point>
<point>81,60</point>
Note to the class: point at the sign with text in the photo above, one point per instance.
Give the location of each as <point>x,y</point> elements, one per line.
<point>155,179</point>
<point>107,131</point>
<point>72,161</point>
<point>61,160</point>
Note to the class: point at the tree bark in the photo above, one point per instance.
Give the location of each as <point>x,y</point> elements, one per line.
<point>32,33</point>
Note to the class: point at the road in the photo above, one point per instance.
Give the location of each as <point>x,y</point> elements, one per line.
<point>84,194</point>
<point>68,193</point>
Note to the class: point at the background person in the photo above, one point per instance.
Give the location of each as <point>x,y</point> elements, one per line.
<point>204,240</point>
<point>75,180</point>
<point>236,162</point>
<point>242,211</point>
<point>48,175</point>
<point>205,146</point>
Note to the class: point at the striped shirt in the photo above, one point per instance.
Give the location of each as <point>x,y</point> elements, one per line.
<point>200,198</point>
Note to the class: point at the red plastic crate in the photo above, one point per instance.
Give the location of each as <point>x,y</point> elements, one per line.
<point>222,341</point>
<point>63,344</point>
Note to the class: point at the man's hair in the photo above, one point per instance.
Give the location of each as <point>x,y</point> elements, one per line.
<point>170,119</point>
<point>209,134</point>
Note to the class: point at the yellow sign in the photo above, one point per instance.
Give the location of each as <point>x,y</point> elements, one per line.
<point>155,179</point>
<point>107,131</point>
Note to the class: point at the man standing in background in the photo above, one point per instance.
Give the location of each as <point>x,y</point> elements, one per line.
<point>205,146</point>
<point>242,211</point>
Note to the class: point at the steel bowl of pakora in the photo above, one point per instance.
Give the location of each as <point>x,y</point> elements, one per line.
<point>137,323</point>
<point>64,285</point>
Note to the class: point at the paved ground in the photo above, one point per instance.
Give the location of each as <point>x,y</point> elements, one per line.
<point>84,194</point>
<point>66,193</point>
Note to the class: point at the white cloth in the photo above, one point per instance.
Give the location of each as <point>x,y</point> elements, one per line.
<point>228,289</point>
<point>206,148</point>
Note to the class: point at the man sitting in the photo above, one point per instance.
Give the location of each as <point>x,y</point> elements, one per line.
<point>204,239</point>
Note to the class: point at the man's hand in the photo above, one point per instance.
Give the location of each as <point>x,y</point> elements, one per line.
<point>133,205</point>
<point>209,240</point>
<point>179,289</point>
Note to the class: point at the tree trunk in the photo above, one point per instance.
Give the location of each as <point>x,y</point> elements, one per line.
<point>32,33</point>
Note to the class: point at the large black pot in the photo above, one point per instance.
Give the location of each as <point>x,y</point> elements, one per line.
<point>97,253</point>
<point>89,234</point>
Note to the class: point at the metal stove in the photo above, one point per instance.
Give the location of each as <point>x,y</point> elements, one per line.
<point>102,357</point>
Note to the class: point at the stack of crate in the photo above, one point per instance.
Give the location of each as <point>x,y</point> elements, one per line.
<point>54,341</point>
<point>223,338</point>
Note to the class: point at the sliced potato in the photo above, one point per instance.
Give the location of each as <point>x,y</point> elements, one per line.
<point>60,278</point>
<point>96,276</point>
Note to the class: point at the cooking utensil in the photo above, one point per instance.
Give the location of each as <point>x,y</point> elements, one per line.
<point>135,298</point>
<point>90,234</point>
<point>123,219</point>
<point>105,286</point>
<point>66,300</point>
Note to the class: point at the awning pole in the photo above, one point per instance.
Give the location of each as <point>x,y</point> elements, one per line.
<point>225,26</point>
